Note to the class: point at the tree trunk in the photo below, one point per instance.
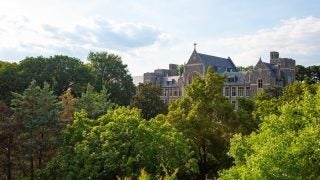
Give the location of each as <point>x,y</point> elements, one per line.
<point>41,150</point>
<point>8,164</point>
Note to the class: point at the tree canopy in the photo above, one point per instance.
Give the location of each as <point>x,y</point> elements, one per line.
<point>113,74</point>
<point>207,118</point>
<point>147,98</point>
<point>287,144</point>
<point>119,143</point>
<point>38,111</point>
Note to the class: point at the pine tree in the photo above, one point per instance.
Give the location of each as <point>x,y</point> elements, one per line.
<point>38,110</point>
<point>94,103</point>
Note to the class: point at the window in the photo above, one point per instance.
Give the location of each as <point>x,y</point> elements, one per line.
<point>175,92</point>
<point>226,91</point>
<point>240,91</point>
<point>260,84</point>
<point>233,91</point>
<point>248,91</point>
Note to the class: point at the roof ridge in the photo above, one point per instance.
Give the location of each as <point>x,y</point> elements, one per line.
<point>211,55</point>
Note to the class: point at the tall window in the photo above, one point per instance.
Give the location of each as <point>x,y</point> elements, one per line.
<point>260,84</point>
<point>248,91</point>
<point>240,91</point>
<point>233,91</point>
<point>226,91</point>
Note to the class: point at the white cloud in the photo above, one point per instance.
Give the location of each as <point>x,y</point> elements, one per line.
<point>293,38</point>
<point>145,47</point>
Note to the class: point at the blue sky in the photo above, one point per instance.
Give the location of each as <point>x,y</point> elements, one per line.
<point>150,34</point>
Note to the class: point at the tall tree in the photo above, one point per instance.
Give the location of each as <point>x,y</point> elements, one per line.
<point>38,110</point>
<point>94,103</point>
<point>69,103</point>
<point>207,118</point>
<point>286,146</point>
<point>147,99</point>
<point>113,74</point>
<point>61,72</point>
<point>8,146</point>
<point>9,80</point>
<point>119,143</point>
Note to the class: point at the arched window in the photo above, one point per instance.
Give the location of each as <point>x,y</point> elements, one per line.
<point>260,83</point>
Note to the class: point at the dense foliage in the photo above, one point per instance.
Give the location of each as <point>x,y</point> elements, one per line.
<point>147,98</point>
<point>113,74</point>
<point>208,119</point>
<point>119,143</point>
<point>58,126</point>
<point>287,144</point>
<point>37,110</point>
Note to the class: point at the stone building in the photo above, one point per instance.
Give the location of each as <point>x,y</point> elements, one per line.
<point>272,76</point>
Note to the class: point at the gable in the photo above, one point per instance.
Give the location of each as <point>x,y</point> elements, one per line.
<point>260,65</point>
<point>194,58</point>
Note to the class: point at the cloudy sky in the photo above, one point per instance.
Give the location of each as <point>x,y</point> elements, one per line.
<point>150,34</point>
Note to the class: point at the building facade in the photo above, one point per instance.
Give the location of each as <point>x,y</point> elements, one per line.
<point>272,76</point>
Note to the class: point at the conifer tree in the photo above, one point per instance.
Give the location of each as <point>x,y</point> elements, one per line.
<point>94,103</point>
<point>38,110</point>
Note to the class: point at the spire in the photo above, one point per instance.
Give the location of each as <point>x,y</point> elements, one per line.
<point>260,59</point>
<point>195,46</point>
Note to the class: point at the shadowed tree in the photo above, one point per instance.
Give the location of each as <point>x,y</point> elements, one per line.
<point>113,74</point>
<point>147,99</point>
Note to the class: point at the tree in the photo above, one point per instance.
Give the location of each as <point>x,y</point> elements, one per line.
<point>247,122</point>
<point>69,103</point>
<point>113,74</point>
<point>61,72</point>
<point>301,73</point>
<point>286,146</point>
<point>8,79</point>
<point>38,110</point>
<point>8,131</point>
<point>147,99</point>
<point>119,143</point>
<point>245,69</point>
<point>207,118</point>
<point>94,103</point>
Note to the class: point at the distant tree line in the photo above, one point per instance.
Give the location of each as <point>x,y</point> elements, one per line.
<point>309,74</point>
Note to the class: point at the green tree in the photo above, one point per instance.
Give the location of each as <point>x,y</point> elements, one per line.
<point>147,99</point>
<point>113,74</point>
<point>37,109</point>
<point>8,79</point>
<point>286,146</point>
<point>247,122</point>
<point>301,73</point>
<point>207,118</point>
<point>245,69</point>
<point>94,103</point>
<point>119,143</point>
<point>61,72</point>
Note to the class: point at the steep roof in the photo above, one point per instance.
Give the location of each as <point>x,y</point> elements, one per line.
<point>270,67</point>
<point>218,64</point>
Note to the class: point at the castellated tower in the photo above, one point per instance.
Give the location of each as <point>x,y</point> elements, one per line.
<point>285,67</point>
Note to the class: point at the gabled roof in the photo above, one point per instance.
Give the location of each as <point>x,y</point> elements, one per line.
<point>218,64</point>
